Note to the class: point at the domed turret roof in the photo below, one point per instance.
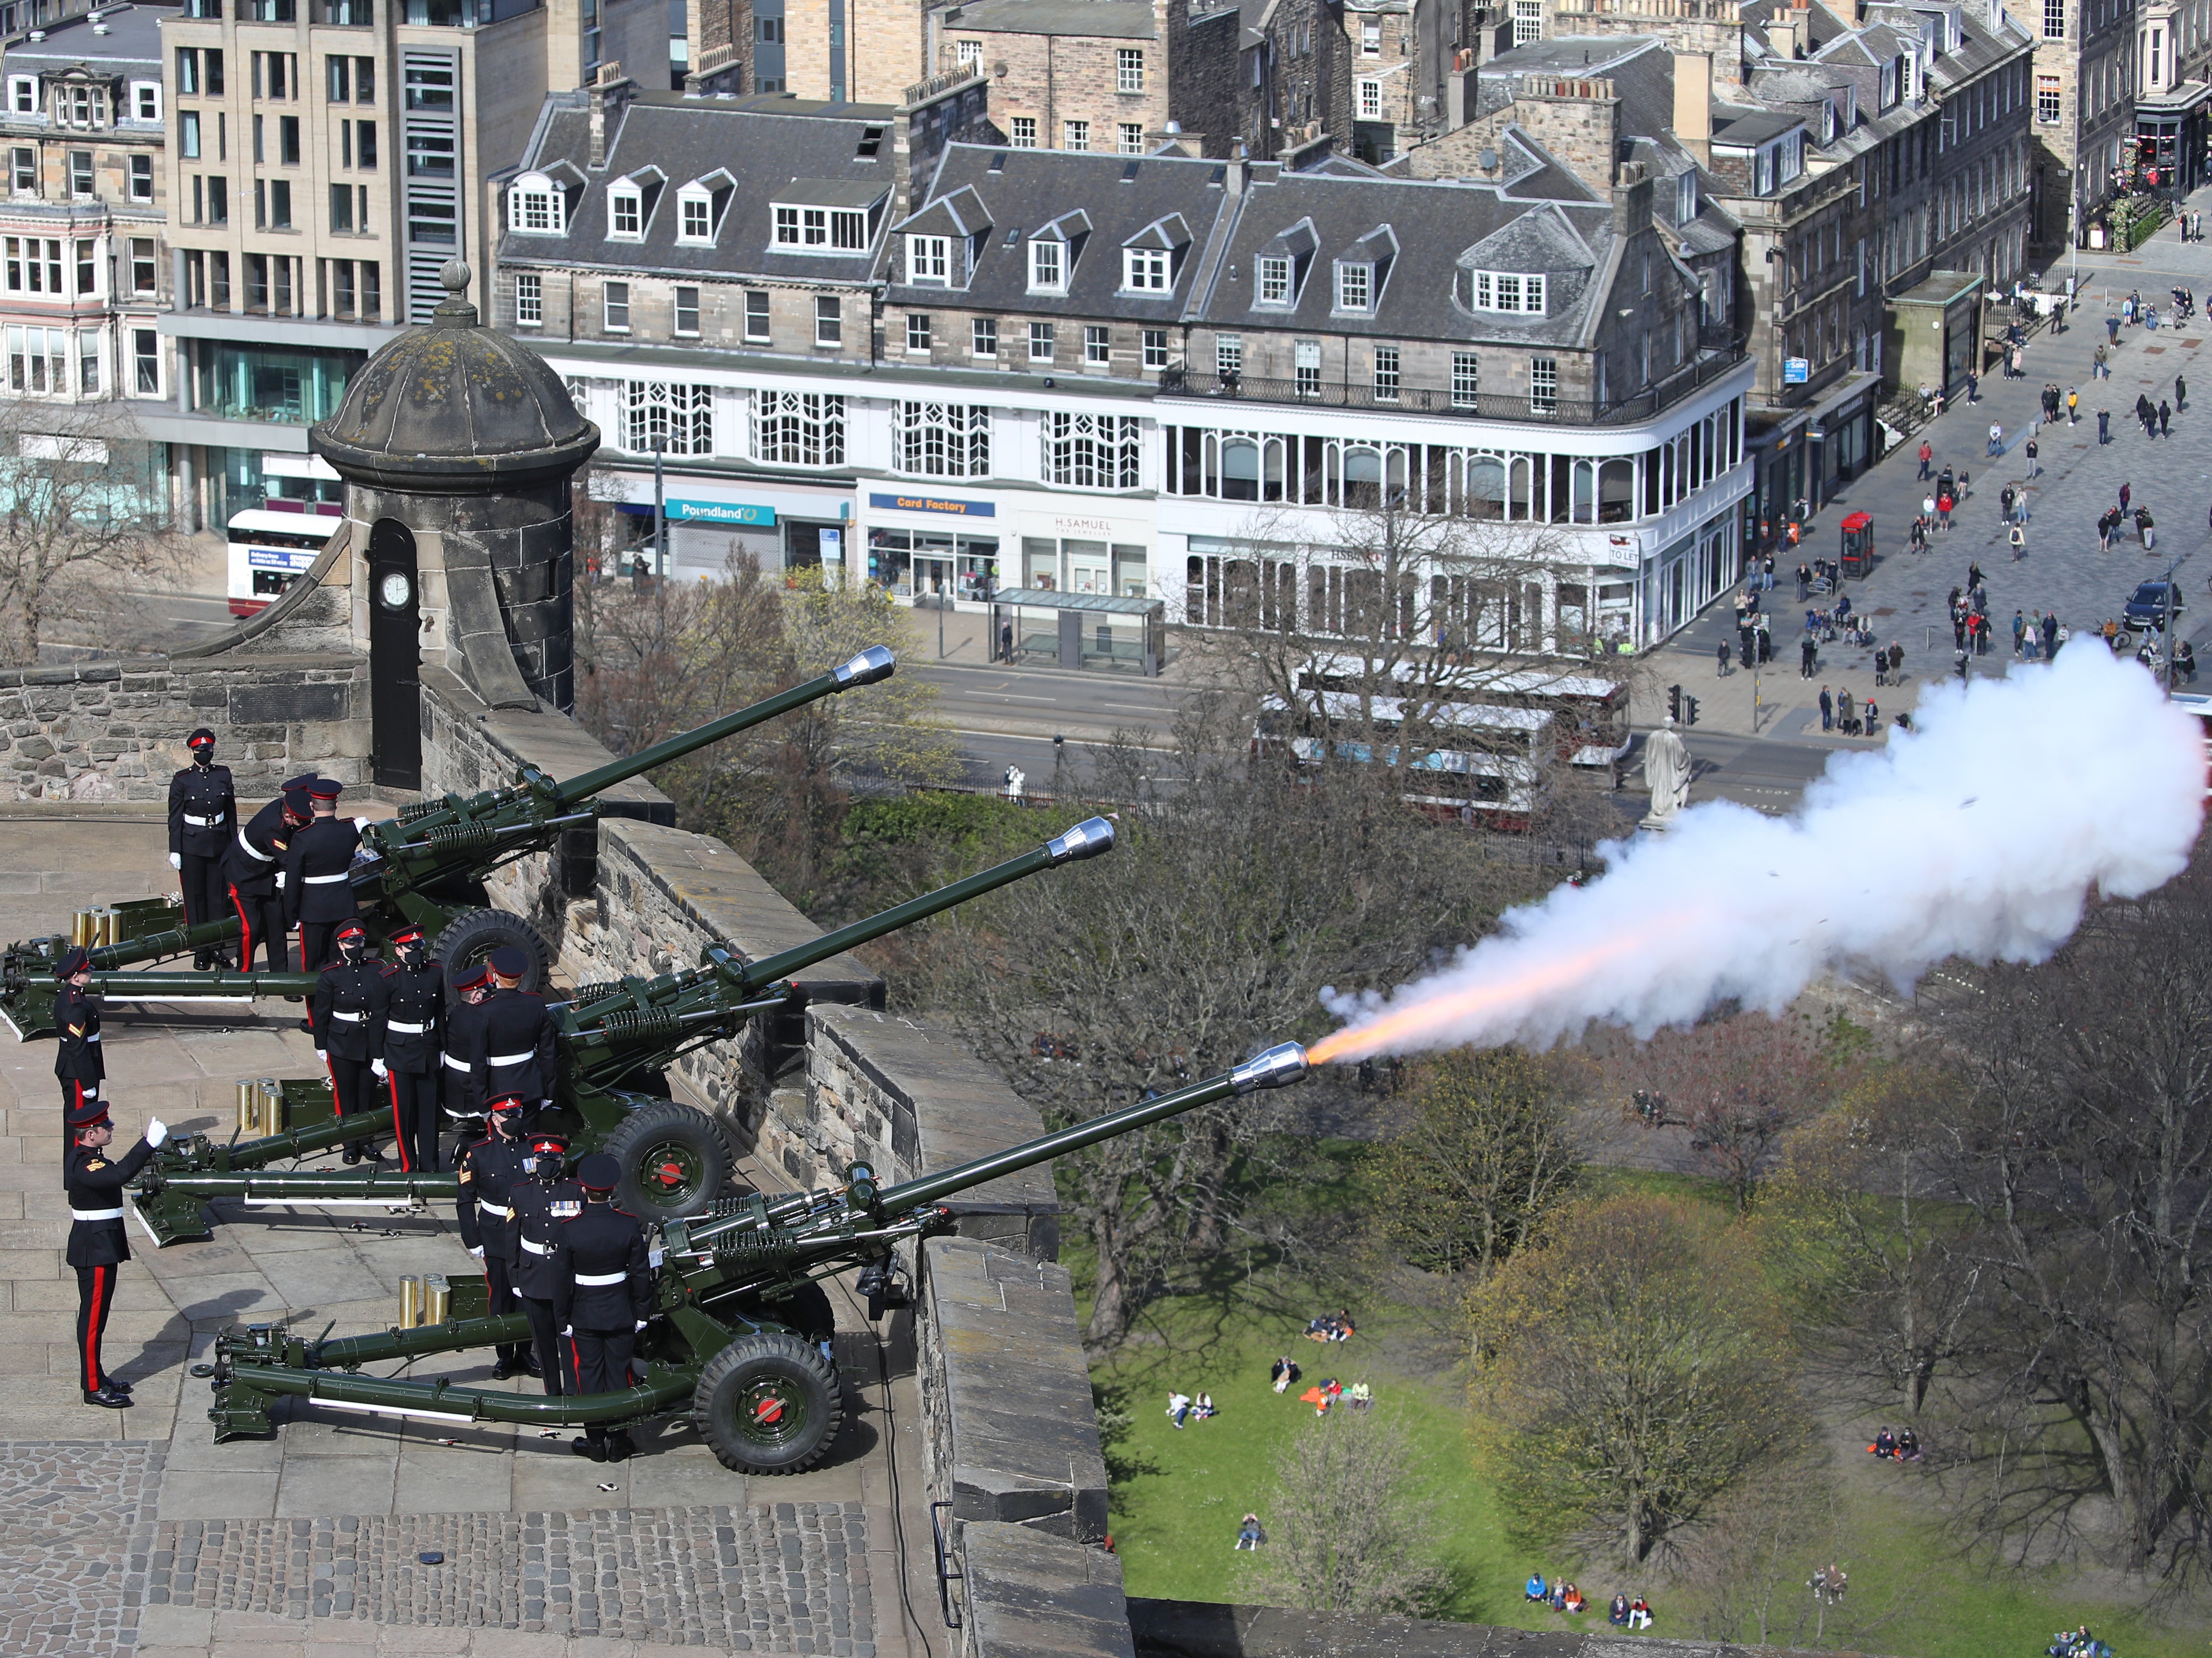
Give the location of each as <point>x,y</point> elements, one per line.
<point>457,408</point>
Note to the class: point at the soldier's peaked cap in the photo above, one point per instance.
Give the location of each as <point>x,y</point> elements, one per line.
<point>75,961</point>
<point>325,788</point>
<point>509,963</point>
<point>201,738</point>
<point>598,1172</point>
<point>88,1113</point>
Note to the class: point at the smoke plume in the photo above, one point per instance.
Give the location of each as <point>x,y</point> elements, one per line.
<point>1982,833</point>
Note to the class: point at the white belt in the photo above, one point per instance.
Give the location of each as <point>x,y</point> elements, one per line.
<point>322,880</point>
<point>340,1013</point>
<point>92,1036</point>
<point>203,822</point>
<point>253,850</point>
<point>524,1058</point>
<point>406,1029</point>
<point>95,1214</point>
<point>600,1280</point>
<point>495,1209</point>
<point>457,1065</point>
<point>537,1248</point>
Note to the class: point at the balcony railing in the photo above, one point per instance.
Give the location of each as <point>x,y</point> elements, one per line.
<point>1719,351</point>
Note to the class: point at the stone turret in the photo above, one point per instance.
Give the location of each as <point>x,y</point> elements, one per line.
<point>457,445</point>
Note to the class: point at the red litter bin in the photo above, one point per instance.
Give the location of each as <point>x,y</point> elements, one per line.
<point>1858,543</point>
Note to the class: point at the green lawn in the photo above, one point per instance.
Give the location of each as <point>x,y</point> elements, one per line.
<point>1178,1496</point>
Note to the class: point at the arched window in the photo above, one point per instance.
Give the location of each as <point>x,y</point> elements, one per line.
<point>1616,492</point>
<point>1363,477</point>
<point>1485,487</point>
<point>535,207</point>
<point>1240,470</point>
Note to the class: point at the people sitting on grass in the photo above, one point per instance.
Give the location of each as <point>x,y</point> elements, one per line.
<point>1885,1444</point>
<point>1330,1327</point>
<point>1178,1407</point>
<point>1363,1396</point>
<point>1318,1396</point>
<point>1640,1613</point>
<point>1572,1601</point>
<point>1617,1613</point>
<point>1829,1583</point>
<point>1250,1534</point>
<point>2077,1643</point>
<point>1203,1408</point>
<point>1908,1446</point>
<point>1536,1590</point>
<point>1284,1373</point>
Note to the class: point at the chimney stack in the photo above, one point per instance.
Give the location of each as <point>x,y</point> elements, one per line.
<point>1693,104</point>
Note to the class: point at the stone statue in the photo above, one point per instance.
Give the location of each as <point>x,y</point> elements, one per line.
<point>1667,773</point>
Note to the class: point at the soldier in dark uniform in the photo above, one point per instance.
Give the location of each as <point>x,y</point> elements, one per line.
<point>542,1205</point>
<point>407,1027</point>
<point>318,866</point>
<point>602,1289</point>
<point>251,866</point>
<point>511,1043</point>
<point>339,1015</point>
<point>463,1104</point>
<point>488,1172</point>
<point>203,816</point>
<point>97,1243</point>
<point>77,1060</point>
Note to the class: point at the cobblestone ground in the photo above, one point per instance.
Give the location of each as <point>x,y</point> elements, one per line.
<point>76,1530</point>
<point>788,1578</point>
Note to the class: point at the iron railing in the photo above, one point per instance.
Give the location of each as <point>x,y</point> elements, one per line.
<point>1720,350</point>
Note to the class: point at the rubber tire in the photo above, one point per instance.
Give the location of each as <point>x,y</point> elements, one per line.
<point>473,934</point>
<point>725,1380</point>
<point>658,1122</point>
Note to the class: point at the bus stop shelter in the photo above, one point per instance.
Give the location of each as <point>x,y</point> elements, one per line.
<point>1042,626</point>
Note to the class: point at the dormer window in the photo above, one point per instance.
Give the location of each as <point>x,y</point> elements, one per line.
<point>625,213</point>
<point>1685,198</point>
<point>1827,124</point>
<point>535,208</point>
<point>1274,279</point>
<point>1147,269</point>
<point>1048,267</point>
<point>1513,292</point>
<point>822,230</point>
<point>929,260</point>
<point>146,100</point>
<point>81,107</point>
<point>1355,287</point>
<point>1889,82</point>
<point>695,221</point>
<point>22,94</point>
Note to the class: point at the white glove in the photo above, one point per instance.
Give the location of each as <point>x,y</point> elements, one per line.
<point>321,1058</point>
<point>176,860</point>
<point>640,1325</point>
<point>567,1329</point>
<point>477,1251</point>
<point>377,1065</point>
<point>280,880</point>
<point>156,1131</point>
<point>362,822</point>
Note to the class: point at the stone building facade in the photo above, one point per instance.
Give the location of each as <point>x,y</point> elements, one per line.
<point>2084,109</point>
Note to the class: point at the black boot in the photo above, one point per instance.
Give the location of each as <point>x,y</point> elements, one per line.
<point>108,1398</point>
<point>352,1153</point>
<point>619,1447</point>
<point>594,1449</point>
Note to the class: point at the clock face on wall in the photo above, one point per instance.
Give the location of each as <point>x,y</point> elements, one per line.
<point>395,591</point>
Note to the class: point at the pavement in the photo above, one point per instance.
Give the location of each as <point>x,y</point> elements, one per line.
<point>132,1530</point>
<point>1748,718</point>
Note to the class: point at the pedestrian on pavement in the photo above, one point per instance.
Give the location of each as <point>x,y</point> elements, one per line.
<point>2030,451</point>
<point>1943,510</point>
<point>2004,505</point>
<point>1961,664</point>
<point>1808,653</point>
<point>2019,544</point>
<point>1927,456</point>
<point>1996,439</point>
<point>2145,528</point>
<point>2073,406</point>
<point>1843,711</point>
<point>2104,426</point>
<point>1974,577</point>
<point>1927,511</point>
<point>2018,356</point>
<point>2050,633</point>
<point>2018,631</point>
<point>1896,662</point>
<point>1973,389</point>
<point>1958,619</point>
<point>2127,492</point>
<point>2112,327</point>
<point>2180,392</point>
<point>1721,656</point>
<point>2164,416</point>
<point>2106,519</point>
<point>1827,710</point>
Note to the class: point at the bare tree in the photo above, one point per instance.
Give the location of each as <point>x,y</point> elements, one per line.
<point>1485,1157</point>
<point>78,541</point>
<point>1347,1529</point>
<point>1632,1369</point>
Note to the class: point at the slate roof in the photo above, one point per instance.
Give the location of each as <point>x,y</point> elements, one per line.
<point>132,44</point>
<point>765,148</point>
<point>1419,233</point>
<point>1116,20</point>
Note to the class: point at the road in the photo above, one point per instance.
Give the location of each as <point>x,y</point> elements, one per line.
<point>1010,716</point>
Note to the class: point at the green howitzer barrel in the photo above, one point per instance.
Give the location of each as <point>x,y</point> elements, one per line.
<point>425,866</point>
<point>765,1398</point>
<point>610,1034</point>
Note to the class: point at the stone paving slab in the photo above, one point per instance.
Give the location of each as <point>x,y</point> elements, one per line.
<point>76,1530</point>
<point>789,1577</point>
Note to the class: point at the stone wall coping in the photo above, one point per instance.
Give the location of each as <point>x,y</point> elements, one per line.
<point>552,742</point>
<point>108,672</point>
<point>963,1109</point>
<point>1026,1592</point>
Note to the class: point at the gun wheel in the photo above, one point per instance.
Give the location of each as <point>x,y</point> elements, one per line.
<point>674,1161</point>
<point>768,1404</point>
<point>471,936</point>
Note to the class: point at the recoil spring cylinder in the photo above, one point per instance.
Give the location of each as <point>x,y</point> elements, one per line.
<point>461,837</point>
<point>639,1024</point>
<point>597,992</point>
<point>414,808</point>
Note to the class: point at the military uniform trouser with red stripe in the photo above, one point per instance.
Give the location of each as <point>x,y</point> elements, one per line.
<point>95,1300</point>
<point>414,1096</point>
<point>261,923</point>
<point>598,1362</point>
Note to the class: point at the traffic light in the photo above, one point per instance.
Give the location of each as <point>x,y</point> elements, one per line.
<point>1689,710</point>
<point>1674,701</point>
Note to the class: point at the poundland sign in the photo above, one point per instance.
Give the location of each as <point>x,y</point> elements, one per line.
<point>718,512</point>
<point>933,504</point>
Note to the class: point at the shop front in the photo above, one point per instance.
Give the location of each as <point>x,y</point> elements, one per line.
<point>936,549</point>
<point>960,549</point>
<point>2166,157</point>
<point>714,522</point>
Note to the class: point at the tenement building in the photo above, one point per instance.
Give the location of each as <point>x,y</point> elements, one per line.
<point>892,340</point>
<point>82,225</point>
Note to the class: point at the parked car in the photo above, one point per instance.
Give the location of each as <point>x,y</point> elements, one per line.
<point>2147,610</point>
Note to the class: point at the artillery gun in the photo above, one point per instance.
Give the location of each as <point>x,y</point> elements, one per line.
<point>736,1315</point>
<point>424,868</point>
<point>616,1040</point>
